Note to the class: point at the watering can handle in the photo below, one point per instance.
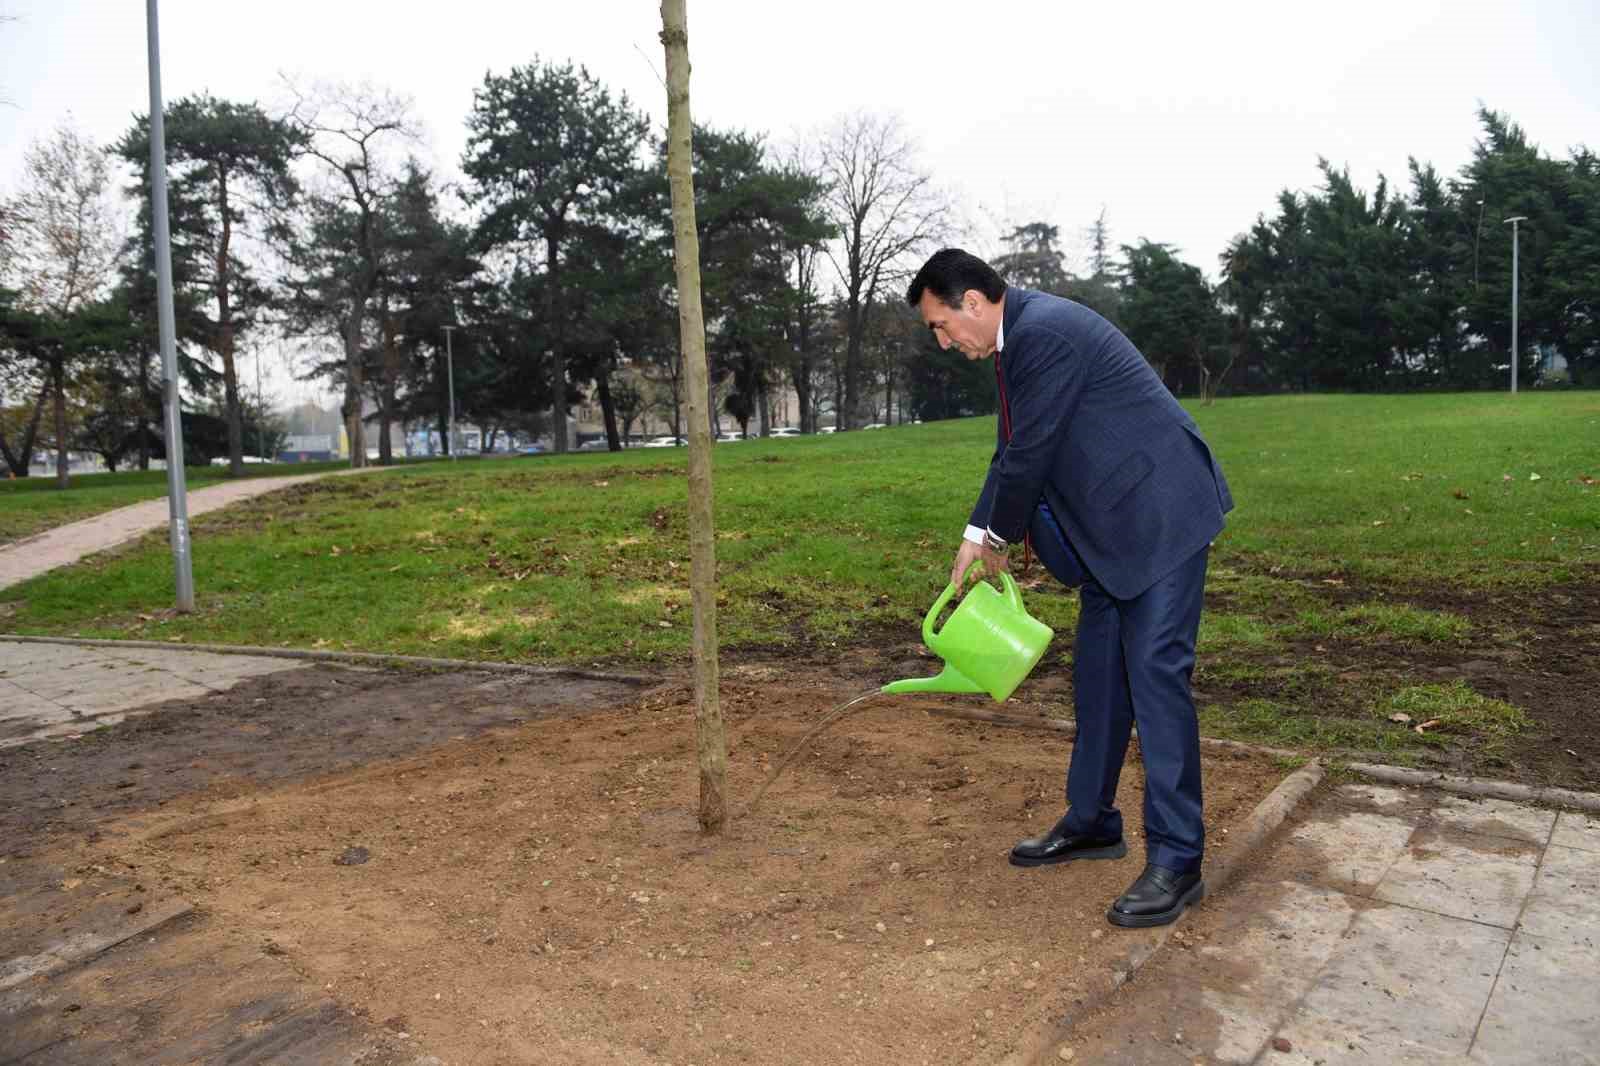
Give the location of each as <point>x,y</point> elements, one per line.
<point>1013,594</point>
<point>928,635</point>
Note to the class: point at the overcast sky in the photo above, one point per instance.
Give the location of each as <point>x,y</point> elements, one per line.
<point>1182,120</point>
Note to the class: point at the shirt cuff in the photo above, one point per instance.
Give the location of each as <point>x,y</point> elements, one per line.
<point>974,534</point>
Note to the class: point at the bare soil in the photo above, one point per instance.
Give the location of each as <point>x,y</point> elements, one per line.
<point>538,891</point>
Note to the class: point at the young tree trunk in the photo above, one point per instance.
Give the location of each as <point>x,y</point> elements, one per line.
<point>230,379</point>
<point>711,744</point>
<point>763,416</point>
<point>58,377</point>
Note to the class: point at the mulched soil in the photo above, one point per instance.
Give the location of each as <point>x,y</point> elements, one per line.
<point>507,880</point>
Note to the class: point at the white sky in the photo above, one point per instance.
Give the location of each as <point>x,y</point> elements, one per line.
<point>1183,120</point>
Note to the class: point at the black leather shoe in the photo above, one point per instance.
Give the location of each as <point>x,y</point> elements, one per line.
<point>1156,898</point>
<point>1062,845</point>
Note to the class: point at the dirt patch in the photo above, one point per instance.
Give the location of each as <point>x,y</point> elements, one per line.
<point>542,894</point>
<point>315,720</point>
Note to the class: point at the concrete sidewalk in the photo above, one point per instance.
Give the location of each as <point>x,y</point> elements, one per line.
<point>60,690</point>
<point>67,544</point>
<point>1385,926</point>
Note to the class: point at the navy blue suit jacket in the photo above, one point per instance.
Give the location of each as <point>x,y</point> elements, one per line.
<point>1097,436</point>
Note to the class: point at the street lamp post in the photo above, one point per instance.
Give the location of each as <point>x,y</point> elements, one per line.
<point>177,486</point>
<point>450,364</point>
<point>1514,334</point>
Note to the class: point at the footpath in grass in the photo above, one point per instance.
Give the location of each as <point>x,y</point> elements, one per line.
<point>1381,545</point>
<point>32,505</point>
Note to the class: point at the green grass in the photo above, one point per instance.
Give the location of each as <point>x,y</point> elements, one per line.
<point>1448,713</point>
<point>1383,620</point>
<point>32,505</point>
<point>829,539</point>
<point>1436,488</point>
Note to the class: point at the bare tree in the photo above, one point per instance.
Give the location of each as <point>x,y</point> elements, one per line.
<point>711,744</point>
<point>886,211</point>
<point>349,128</point>
<point>59,250</point>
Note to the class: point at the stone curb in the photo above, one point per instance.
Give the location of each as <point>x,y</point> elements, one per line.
<point>1479,786</point>
<point>358,657</point>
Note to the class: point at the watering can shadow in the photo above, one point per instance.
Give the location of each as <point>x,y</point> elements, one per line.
<point>989,643</point>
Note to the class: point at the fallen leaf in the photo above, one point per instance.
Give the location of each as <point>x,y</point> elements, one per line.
<point>1280,1044</point>
<point>1379,522</point>
<point>1570,752</point>
<point>1429,724</point>
<point>1399,716</point>
<point>1468,510</point>
<point>1585,479</point>
<point>1535,477</point>
<point>600,484</point>
<point>1462,494</point>
<point>1505,477</point>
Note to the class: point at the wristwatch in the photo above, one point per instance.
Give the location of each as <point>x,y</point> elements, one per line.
<point>992,543</point>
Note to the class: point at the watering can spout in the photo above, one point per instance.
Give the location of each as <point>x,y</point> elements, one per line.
<point>947,680</point>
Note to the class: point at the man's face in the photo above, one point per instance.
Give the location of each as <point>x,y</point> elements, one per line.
<point>970,327</point>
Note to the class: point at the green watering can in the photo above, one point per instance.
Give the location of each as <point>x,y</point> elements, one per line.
<point>988,644</point>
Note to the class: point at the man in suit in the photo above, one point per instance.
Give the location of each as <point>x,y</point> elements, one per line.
<point>1110,481</point>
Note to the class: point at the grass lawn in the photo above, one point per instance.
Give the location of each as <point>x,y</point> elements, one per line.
<point>837,540</point>
<point>33,504</point>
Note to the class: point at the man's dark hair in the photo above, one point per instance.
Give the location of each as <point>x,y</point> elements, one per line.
<point>949,273</point>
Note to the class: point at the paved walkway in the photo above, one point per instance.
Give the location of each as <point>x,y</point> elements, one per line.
<point>61,690</point>
<point>67,544</point>
<point>1386,926</point>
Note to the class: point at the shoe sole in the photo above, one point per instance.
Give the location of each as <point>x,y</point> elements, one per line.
<point>1166,917</point>
<point>1116,851</point>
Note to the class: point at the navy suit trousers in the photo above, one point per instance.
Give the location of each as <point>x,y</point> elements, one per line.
<point>1132,664</point>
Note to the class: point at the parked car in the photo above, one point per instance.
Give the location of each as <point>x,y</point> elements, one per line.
<point>599,444</point>
<point>784,431</point>
<point>723,438</point>
<point>876,425</point>
<point>530,449</point>
<point>828,429</point>
<point>666,442</point>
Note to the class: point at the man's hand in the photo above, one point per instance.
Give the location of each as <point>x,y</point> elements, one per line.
<point>969,553</point>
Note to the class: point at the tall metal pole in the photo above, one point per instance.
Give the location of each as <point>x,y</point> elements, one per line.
<point>1515,346</point>
<point>450,364</point>
<point>177,490</point>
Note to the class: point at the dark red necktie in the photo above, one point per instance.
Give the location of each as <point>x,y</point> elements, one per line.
<point>1005,426</point>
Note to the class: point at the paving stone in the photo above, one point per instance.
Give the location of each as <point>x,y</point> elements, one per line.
<point>1581,831</point>
<point>1351,852</point>
<point>1316,1040</point>
<point>1495,817</point>
<point>1278,938</point>
<point>1545,1007</point>
<point>1481,883</point>
<point>1565,902</point>
<point>1402,979</point>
